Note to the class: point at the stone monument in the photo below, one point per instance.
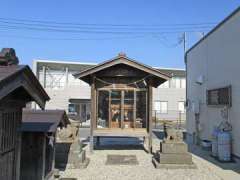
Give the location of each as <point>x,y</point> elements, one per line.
<point>173,152</point>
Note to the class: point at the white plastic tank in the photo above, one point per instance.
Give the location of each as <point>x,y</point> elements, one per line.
<point>215,142</point>
<point>224,146</point>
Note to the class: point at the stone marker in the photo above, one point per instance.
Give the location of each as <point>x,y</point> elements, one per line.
<point>79,159</point>
<point>173,152</point>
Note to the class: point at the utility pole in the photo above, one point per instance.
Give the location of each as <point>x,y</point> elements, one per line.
<point>184,42</point>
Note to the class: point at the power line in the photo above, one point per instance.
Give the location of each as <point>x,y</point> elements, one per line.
<point>133,31</point>
<point>71,39</point>
<point>11,27</point>
<point>100,27</point>
<point>106,24</point>
<point>117,29</point>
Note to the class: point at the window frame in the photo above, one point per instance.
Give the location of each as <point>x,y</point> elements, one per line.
<point>160,110</point>
<point>184,110</point>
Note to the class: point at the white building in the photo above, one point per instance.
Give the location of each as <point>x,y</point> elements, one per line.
<point>213,80</point>
<point>73,95</point>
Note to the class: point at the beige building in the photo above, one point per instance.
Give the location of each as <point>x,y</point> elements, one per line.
<point>213,81</point>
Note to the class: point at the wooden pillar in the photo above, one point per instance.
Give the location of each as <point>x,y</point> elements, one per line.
<point>54,151</point>
<point>122,109</point>
<point>18,157</point>
<point>150,89</point>
<point>93,113</point>
<point>44,156</point>
<point>134,108</point>
<point>18,145</point>
<point>109,110</point>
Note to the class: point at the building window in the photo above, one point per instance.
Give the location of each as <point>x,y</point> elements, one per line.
<point>73,109</point>
<point>220,97</point>
<point>181,106</point>
<point>164,85</point>
<point>161,106</point>
<point>180,83</point>
<point>52,79</point>
<point>183,83</point>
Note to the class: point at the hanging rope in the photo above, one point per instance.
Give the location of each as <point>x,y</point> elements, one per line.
<point>105,82</point>
<point>135,82</point>
<point>143,79</point>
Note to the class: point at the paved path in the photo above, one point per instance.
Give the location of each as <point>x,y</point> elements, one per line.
<point>97,170</point>
<point>207,169</point>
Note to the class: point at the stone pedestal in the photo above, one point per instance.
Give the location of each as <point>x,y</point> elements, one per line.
<point>173,153</point>
<point>77,158</point>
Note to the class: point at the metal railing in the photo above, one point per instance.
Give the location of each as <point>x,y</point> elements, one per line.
<point>172,118</point>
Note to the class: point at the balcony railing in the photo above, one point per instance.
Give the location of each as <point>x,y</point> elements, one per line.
<point>172,118</point>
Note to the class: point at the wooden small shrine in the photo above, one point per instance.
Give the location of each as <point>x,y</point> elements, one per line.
<point>121,98</point>
<point>39,128</point>
<point>18,86</point>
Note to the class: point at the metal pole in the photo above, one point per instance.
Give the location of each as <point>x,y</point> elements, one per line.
<point>44,76</point>
<point>180,119</point>
<point>155,119</point>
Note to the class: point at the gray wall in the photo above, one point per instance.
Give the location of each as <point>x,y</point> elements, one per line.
<point>216,59</point>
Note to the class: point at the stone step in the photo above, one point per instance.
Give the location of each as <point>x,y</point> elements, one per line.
<point>172,166</point>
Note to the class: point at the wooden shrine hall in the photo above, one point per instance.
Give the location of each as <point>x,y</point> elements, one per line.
<point>121,98</point>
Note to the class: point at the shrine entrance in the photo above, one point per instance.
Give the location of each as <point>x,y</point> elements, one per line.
<point>122,108</point>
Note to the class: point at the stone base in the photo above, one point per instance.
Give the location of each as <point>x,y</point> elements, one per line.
<point>79,165</point>
<point>78,161</point>
<point>173,147</point>
<point>177,158</point>
<point>172,166</point>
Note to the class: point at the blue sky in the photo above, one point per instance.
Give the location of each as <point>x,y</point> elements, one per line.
<point>156,49</point>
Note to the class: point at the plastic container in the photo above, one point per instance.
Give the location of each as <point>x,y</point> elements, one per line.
<point>224,145</point>
<point>215,142</point>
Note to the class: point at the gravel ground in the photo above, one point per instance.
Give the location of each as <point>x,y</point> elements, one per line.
<point>97,170</point>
